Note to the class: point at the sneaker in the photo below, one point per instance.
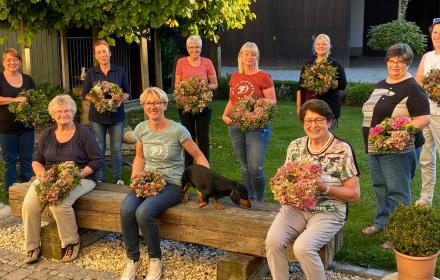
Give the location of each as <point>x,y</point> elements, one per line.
<point>5,211</point>
<point>155,269</point>
<point>72,251</point>
<point>32,256</point>
<point>119,182</point>
<point>130,271</point>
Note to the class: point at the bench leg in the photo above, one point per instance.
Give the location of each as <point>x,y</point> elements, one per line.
<point>51,243</point>
<point>233,266</point>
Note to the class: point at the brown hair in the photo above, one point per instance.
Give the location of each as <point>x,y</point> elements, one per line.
<point>401,50</point>
<point>316,106</point>
<point>12,52</point>
<point>100,42</point>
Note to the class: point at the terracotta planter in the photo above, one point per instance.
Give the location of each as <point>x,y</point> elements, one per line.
<point>411,268</point>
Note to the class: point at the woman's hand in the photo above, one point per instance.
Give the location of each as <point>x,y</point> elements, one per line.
<point>20,99</point>
<point>335,84</point>
<point>227,120</point>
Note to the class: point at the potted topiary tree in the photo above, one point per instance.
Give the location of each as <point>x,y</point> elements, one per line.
<point>414,233</point>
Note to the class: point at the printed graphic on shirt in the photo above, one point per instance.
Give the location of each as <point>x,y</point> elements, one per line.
<point>244,88</point>
<point>157,150</point>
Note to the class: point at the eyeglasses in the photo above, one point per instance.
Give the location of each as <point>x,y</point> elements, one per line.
<point>150,104</point>
<point>317,121</point>
<point>397,63</point>
<point>435,20</point>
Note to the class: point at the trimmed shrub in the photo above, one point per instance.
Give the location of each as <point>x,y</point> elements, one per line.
<point>357,93</point>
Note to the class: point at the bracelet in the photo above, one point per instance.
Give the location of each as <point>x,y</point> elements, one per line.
<point>326,190</point>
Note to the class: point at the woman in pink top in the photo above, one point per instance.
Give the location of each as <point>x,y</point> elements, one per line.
<point>186,68</point>
<point>250,146</point>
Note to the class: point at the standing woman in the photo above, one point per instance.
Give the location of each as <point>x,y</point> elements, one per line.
<point>186,68</point>
<point>430,60</point>
<point>398,95</point>
<point>250,146</point>
<point>331,97</point>
<point>113,123</point>
<point>15,138</point>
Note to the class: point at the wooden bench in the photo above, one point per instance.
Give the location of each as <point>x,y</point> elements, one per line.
<point>240,232</point>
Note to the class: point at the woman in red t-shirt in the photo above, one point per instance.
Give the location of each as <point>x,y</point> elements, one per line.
<point>186,68</point>
<point>250,146</point>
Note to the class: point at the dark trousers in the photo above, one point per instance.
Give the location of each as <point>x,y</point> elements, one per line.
<point>198,126</point>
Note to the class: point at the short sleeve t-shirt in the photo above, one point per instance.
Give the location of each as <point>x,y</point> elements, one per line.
<point>247,85</point>
<point>187,71</point>
<point>163,149</point>
<point>338,163</point>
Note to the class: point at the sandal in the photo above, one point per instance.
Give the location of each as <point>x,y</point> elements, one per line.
<point>370,230</point>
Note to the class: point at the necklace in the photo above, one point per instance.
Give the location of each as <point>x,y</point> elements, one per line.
<point>322,149</point>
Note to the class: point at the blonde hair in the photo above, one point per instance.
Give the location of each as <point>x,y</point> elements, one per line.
<point>324,37</point>
<point>101,42</point>
<point>12,52</point>
<point>63,99</point>
<point>248,46</point>
<point>195,39</point>
<point>159,93</point>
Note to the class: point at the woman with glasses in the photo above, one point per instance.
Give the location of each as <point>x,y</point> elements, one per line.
<point>250,146</point>
<point>430,60</point>
<point>398,95</point>
<point>314,228</point>
<point>322,47</point>
<point>160,144</point>
<point>187,67</point>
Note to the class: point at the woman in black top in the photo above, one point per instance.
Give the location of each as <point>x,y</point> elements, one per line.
<point>15,138</point>
<point>331,97</point>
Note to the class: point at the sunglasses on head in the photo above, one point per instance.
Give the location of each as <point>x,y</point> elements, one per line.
<point>435,20</point>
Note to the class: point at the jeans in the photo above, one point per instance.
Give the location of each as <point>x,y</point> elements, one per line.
<point>198,126</point>
<point>391,176</point>
<point>250,147</point>
<point>21,144</point>
<point>115,132</point>
<point>140,212</point>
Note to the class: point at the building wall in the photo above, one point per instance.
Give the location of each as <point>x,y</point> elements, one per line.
<point>44,55</point>
<point>356,26</point>
<point>283,31</point>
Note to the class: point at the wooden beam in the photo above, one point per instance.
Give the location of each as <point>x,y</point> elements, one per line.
<point>64,60</point>
<point>157,59</point>
<point>145,77</point>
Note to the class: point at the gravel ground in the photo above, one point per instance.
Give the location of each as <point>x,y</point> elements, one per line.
<point>183,261</point>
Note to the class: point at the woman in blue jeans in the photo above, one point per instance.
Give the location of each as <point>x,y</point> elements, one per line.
<point>398,95</point>
<point>160,144</point>
<point>250,146</point>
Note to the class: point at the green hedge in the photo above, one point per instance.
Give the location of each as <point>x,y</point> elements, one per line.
<point>357,93</point>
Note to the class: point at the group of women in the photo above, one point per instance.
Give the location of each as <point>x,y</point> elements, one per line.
<point>161,144</point>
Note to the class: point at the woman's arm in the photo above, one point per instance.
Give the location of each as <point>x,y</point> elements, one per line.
<point>269,93</point>
<point>38,168</point>
<point>421,121</point>
<point>194,151</point>
<point>7,100</point>
<point>227,112</point>
<point>349,192</point>
<point>298,101</point>
<point>177,80</point>
<point>212,82</point>
<point>139,160</point>
<point>419,74</point>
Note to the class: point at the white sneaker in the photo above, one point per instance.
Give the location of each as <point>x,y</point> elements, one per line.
<point>131,268</point>
<point>5,211</point>
<point>155,269</point>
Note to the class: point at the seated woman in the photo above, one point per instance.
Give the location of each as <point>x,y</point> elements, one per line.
<point>65,141</point>
<point>160,144</point>
<point>339,185</point>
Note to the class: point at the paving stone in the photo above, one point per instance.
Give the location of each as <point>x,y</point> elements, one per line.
<point>18,274</point>
<point>7,267</point>
<point>39,275</point>
<point>3,273</point>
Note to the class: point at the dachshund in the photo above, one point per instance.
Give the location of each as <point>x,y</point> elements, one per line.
<point>210,184</point>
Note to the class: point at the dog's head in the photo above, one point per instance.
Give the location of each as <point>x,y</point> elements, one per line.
<point>239,195</point>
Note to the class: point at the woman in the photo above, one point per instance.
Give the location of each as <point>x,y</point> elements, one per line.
<point>398,95</point>
<point>111,123</point>
<point>339,185</point>
<point>15,138</point>
<point>65,141</point>
<point>250,146</point>
<point>160,145</point>
<point>322,48</point>
<point>196,66</point>
<point>431,133</point>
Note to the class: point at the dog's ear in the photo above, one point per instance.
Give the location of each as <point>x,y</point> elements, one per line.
<point>235,196</point>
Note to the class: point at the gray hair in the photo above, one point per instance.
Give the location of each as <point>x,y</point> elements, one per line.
<point>63,99</point>
<point>195,39</point>
<point>248,46</point>
<point>324,37</point>
<point>401,50</point>
<point>159,93</point>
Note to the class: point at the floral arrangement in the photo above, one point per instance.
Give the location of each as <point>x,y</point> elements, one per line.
<point>106,96</point>
<point>431,85</point>
<point>392,135</point>
<point>296,184</point>
<point>318,77</point>
<point>193,96</point>
<point>148,183</point>
<point>252,113</point>
<point>56,183</point>
<point>34,111</point>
